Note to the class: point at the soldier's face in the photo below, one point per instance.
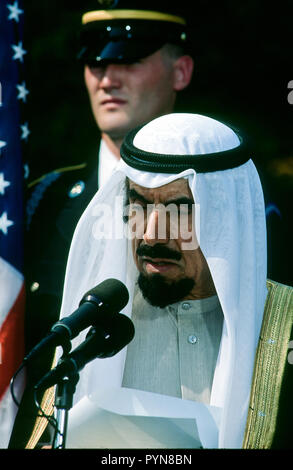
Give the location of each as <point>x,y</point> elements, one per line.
<point>124,96</point>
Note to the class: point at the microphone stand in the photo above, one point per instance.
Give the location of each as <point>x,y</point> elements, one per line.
<point>63,402</point>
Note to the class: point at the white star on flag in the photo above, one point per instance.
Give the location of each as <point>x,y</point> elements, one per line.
<point>5,223</point>
<point>18,51</point>
<point>22,91</point>
<point>25,131</point>
<point>3,183</point>
<point>2,144</point>
<point>14,12</point>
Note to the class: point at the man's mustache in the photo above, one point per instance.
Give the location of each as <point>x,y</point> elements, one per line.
<point>158,251</point>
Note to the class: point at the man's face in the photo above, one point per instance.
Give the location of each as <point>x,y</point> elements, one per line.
<point>124,96</point>
<point>169,270</point>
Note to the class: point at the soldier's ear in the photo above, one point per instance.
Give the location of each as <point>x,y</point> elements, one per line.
<point>183,70</point>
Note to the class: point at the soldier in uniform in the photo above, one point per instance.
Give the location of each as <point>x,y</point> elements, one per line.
<point>131,78</point>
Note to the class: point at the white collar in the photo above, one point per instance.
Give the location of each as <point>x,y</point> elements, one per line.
<point>107,163</point>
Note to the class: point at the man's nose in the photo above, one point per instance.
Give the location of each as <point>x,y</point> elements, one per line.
<point>111,76</point>
<point>156,229</point>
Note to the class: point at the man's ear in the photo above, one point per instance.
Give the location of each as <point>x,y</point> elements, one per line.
<point>183,70</point>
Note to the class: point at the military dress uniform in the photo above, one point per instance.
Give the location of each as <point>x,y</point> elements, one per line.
<point>54,205</point>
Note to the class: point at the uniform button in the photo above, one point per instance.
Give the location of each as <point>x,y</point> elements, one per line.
<point>186,305</point>
<point>192,339</point>
<point>34,287</point>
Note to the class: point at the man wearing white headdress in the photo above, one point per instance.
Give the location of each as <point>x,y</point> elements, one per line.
<point>197,299</point>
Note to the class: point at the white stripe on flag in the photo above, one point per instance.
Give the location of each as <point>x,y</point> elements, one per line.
<point>11,282</point>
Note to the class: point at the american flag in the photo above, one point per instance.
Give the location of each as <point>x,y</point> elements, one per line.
<point>13,133</point>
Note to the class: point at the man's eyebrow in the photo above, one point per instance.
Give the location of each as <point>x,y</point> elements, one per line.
<point>133,194</point>
<point>180,200</point>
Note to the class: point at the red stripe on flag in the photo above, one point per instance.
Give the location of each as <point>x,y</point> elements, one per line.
<point>12,342</point>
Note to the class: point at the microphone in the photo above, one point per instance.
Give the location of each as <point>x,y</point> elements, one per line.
<point>99,305</point>
<point>99,343</point>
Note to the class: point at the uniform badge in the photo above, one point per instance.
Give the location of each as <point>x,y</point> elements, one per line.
<point>76,189</point>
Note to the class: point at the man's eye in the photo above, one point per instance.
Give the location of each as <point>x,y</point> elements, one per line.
<point>139,205</point>
<point>179,209</point>
<point>137,202</point>
<point>94,66</point>
<point>185,209</point>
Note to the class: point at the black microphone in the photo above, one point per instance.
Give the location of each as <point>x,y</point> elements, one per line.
<point>99,305</point>
<point>99,343</point>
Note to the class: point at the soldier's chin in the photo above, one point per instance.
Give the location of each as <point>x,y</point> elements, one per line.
<point>160,292</point>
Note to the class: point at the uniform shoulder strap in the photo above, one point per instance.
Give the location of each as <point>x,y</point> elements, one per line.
<point>270,361</point>
<point>56,172</point>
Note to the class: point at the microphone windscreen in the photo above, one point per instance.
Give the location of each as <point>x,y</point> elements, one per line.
<point>111,292</point>
<point>120,334</point>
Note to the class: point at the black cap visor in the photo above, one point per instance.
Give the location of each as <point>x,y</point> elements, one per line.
<point>126,41</point>
<point>117,52</point>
